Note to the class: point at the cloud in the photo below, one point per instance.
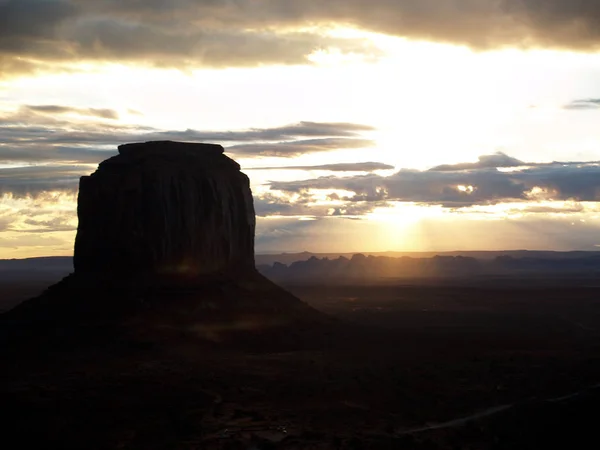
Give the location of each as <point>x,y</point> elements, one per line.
<point>45,212</point>
<point>58,223</point>
<point>48,133</point>
<point>589,103</point>
<point>57,109</point>
<point>340,167</point>
<point>481,23</point>
<point>23,240</point>
<point>184,34</point>
<point>266,205</point>
<point>31,181</point>
<point>288,234</point>
<point>114,40</point>
<point>290,149</point>
<point>298,130</point>
<point>568,208</point>
<point>462,187</point>
<point>28,19</point>
<point>52,149</point>
<point>498,159</point>
<point>285,234</point>
<point>194,33</point>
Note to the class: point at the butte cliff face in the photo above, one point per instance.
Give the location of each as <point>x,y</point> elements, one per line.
<point>165,207</point>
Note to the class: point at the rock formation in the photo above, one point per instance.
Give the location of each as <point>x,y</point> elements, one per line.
<point>165,207</point>
<point>164,250</point>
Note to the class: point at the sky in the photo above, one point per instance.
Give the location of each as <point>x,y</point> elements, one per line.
<point>387,125</point>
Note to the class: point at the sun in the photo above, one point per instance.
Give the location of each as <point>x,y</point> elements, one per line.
<point>400,227</point>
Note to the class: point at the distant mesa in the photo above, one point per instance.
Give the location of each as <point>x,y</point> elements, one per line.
<point>164,248</point>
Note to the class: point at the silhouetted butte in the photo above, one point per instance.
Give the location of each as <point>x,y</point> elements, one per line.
<point>165,207</point>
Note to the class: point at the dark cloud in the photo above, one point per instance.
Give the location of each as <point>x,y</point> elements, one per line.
<point>298,130</point>
<point>116,41</point>
<point>588,103</point>
<point>341,167</point>
<point>59,223</point>
<point>498,159</point>
<point>32,181</point>
<point>40,154</point>
<point>44,134</point>
<point>58,109</point>
<point>286,234</point>
<point>220,33</point>
<point>52,151</point>
<point>181,34</point>
<point>479,23</point>
<point>271,205</point>
<point>25,20</point>
<point>464,187</point>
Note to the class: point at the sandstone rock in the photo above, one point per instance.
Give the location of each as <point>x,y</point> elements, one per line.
<point>165,207</point>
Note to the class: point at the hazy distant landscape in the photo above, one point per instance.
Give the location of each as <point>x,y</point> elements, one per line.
<point>24,278</point>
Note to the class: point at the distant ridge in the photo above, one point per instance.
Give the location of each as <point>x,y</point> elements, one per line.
<point>290,257</point>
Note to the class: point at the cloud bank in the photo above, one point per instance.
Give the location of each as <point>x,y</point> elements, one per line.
<point>583,104</point>
<point>48,147</point>
<point>222,33</point>
<point>340,167</point>
<point>466,184</point>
